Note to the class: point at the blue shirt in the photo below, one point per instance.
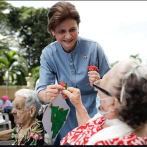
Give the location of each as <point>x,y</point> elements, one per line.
<point>73,67</point>
<point>1,102</point>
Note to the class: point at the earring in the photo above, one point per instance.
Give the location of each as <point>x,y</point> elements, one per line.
<point>78,32</point>
<point>54,36</point>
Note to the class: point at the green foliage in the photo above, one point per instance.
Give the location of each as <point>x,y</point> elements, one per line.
<point>31,24</point>
<point>112,64</point>
<point>4,17</point>
<point>131,56</point>
<point>11,64</point>
<point>4,45</point>
<point>3,6</point>
<point>35,74</point>
<point>24,28</point>
<point>136,57</point>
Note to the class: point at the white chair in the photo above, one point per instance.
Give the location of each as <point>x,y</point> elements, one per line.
<point>5,121</point>
<point>48,140</point>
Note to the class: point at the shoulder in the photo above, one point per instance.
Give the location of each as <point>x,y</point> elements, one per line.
<point>89,44</point>
<point>49,51</point>
<point>50,47</point>
<point>86,40</point>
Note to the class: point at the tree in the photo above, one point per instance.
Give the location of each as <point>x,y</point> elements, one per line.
<point>58,117</point>
<point>3,24</point>
<point>11,64</point>
<point>31,24</point>
<point>3,17</point>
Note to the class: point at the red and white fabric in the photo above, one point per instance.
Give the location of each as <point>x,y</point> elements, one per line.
<point>82,135</point>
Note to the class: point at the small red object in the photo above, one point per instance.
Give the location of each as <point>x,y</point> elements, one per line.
<point>62,84</point>
<point>92,68</point>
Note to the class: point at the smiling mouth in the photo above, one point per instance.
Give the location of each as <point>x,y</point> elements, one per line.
<point>68,40</point>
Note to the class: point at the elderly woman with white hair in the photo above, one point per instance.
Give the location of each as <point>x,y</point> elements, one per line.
<point>29,130</point>
<point>122,113</point>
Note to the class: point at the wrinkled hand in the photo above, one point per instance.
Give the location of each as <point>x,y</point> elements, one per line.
<point>93,76</point>
<point>74,96</point>
<point>52,92</point>
<point>64,96</point>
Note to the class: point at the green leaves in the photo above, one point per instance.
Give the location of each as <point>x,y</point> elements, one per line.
<point>136,57</point>
<point>10,64</point>
<point>35,74</point>
<point>31,24</point>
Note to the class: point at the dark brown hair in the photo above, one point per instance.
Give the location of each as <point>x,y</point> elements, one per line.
<point>59,12</point>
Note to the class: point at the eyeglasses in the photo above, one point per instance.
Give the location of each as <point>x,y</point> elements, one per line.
<point>96,83</point>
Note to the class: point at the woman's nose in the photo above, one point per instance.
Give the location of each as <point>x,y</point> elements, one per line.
<point>68,35</point>
<point>13,110</point>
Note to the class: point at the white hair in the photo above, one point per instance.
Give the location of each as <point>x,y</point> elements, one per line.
<point>122,69</point>
<point>30,99</point>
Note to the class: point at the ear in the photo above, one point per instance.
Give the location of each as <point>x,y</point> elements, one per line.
<point>78,28</point>
<point>32,111</point>
<point>53,33</point>
<point>115,105</point>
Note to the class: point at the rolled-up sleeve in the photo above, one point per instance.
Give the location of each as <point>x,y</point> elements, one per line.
<point>47,76</point>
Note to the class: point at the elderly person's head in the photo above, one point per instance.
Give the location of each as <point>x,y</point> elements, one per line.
<point>123,93</point>
<point>123,103</point>
<point>5,97</point>
<point>25,106</point>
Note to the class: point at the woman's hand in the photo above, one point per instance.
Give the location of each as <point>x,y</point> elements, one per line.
<point>64,96</point>
<point>93,76</point>
<point>74,96</point>
<point>52,92</point>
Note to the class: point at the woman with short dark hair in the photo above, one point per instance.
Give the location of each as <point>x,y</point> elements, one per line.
<point>68,59</point>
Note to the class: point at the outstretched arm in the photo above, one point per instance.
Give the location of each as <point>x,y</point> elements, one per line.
<point>75,97</point>
<point>6,135</point>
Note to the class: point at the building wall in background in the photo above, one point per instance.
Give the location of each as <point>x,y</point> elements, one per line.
<point>11,91</point>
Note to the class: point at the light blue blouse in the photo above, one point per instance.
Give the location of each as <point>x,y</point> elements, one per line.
<point>73,67</point>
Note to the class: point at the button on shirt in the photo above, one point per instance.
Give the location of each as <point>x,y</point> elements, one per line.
<point>73,67</point>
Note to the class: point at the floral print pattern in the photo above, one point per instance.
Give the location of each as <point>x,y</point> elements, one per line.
<point>81,135</point>
<point>34,136</point>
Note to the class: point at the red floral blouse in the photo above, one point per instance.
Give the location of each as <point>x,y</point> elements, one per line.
<point>81,135</point>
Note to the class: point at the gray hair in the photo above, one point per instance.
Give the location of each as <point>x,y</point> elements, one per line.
<point>139,72</point>
<point>30,99</point>
<point>133,101</point>
<point>122,69</point>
